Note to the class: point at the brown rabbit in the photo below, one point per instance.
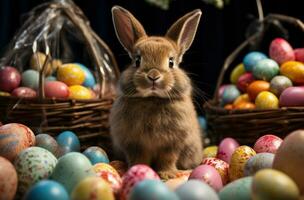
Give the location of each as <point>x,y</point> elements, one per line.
<point>153,120</point>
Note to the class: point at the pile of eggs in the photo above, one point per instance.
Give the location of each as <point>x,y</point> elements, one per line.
<point>62,81</point>
<point>263,82</point>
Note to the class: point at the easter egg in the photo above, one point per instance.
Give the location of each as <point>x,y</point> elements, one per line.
<point>267,144</point>
<point>239,190</point>
<point>221,167</point>
<point>71,74</point>
<point>8,180</point>
<point>238,160</point>
<point>79,92</point>
<point>37,62</point>
<point>289,157</point>
<point>92,188</point>
<point>96,155</point>
<point>251,59</point>
<point>294,70</point>
<point>245,105</point>
<point>68,139</point>
<point>278,84</point>
<point>241,98</point>
<point>245,80</point>
<point>221,89</point>
<point>210,152</point>
<point>51,78</point>
<point>133,176</point>
<point>202,122</point>
<point>6,94</point>
<point>152,189</point>
<point>46,190</point>
<point>258,162</point>
<point>174,183</point>
<point>229,107</point>
<point>265,69</point>
<point>89,77</point>
<point>32,165</point>
<point>226,148</point>
<point>71,168</point>
<point>281,51</point>
<point>24,92</point>
<point>256,87</point>
<point>120,166</point>
<point>209,175</point>
<point>230,94</point>
<point>273,184</point>
<point>236,73</point>
<point>196,190</point>
<point>56,89</point>
<point>299,54</point>
<point>266,100</point>
<point>14,138</point>
<point>47,142</point>
<point>30,78</point>
<point>292,96</point>
<point>10,78</point>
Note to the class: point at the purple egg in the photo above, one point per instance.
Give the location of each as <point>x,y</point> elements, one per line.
<point>24,92</point>
<point>10,78</point>
<point>226,149</point>
<point>292,96</point>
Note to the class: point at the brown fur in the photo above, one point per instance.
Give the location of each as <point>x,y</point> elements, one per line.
<point>156,127</point>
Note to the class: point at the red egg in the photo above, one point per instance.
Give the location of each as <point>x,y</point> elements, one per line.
<point>10,78</point>
<point>24,92</point>
<point>56,89</point>
<point>226,149</point>
<point>8,180</point>
<point>299,54</point>
<point>244,80</point>
<point>267,144</point>
<point>220,165</point>
<point>281,51</point>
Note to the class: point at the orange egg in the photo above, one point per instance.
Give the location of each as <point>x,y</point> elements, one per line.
<point>256,87</point>
<point>242,98</point>
<point>245,105</point>
<point>228,107</point>
<point>294,71</point>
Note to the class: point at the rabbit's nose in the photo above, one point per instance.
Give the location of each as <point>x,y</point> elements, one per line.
<point>154,75</point>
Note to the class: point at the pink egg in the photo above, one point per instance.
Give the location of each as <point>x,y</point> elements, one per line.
<point>135,174</point>
<point>209,175</point>
<point>245,80</point>
<point>24,92</point>
<point>292,96</point>
<point>10,78</point>
<point>56,89</point>
<point>281,51</point>
<point>221,90</point>
<point>226,149</point>
<point>8,180</point>
<point>221,167</point>
<point>299,54</point>
<point>267,144</point>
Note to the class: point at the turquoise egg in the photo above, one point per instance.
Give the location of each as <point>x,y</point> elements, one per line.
<point>265,69</point>
<point>30,78</point>
<point>251,59</point>
<point>89,77</point>
<point>230,94</point>
<point>203,123</point>
<point>47,142</point>
<point>96,155</point>
<point>239,189</point>
<point>258,162</point>
<point>69,140</point>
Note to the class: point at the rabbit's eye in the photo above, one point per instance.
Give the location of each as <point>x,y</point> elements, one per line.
<point>171,62</point>
<point>137,61</point>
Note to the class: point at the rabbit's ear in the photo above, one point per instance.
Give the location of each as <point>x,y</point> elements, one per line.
<point>128,29</point>
<point>184,29</point>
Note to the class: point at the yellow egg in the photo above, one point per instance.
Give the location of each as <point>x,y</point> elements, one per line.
<point>238,161</point>
<point>210,152</point>
<point>236,73</point>
<point>97,168</point>
<point>294,71</point>
<point>71,74</point>
<point>79,92</point>
<point>38,59</point>
<point>266,100</point>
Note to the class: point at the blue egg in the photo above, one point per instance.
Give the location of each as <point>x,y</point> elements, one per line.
<point>47,142</point>
<point>47,190</point>
<point>230,94</point>
<point>69,140</point>
<point>203,123</point>
<point>96,155</point>
<point>152,190</point>
<point>51,78</point>
<point>89,77</point>
<point>251,59</point>
<point>30,78</point>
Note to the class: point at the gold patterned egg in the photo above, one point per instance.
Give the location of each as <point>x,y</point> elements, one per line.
<point>237,72</point>
<point>294,71</point>
<point>266,100</point>
<point>210,152</point>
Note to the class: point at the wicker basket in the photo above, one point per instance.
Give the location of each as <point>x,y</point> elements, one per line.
<point>248,125</point>
<point>87,118</point>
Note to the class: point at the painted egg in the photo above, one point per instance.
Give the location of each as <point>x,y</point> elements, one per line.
<point>47,190</point>
<point>10,78</point>
<point>226,149</point>
<point>96,155</point>
<point>89,77</point>
<point>221,89</point>
<point>267,144</point>
<point>56,89</point>
<point>229,107</point>
<point>6,94</point>
<point>266,100</point>
<point>38,59</point>
<point>32,165</point>
<point>273,184</point>
<point>120,166</point>
<point>68,139</point>
<point>152,189</point>
<point>209,175</point>
<point>47,142</point>
<point>221,167</point>
<point>202,122</point>
<point>92,188</point>
<point>245,105</point>
<point>72,168</point>
<point>281,51</point>
<point>210,152</point>
<point>79,92</point>
<point>258,162</point>
<point>294,71</point>
<point>133,176</point>
<point>236,73</point>
<point>289,158</point>
<point>230,94</point>
<point>238,160</point>
<point>265,69</point>
<point>30,79</point>
<point>292,96</point>
<point>239,189</point>
<point>51,78</point>
<point>299,54</point>
<point>14,138</point>
<point>8,180</point>
<point>245,80</point>
<point>241,98</point>
<point>252,58</point>
<point>256,87</point>
<point>278,84</point>
<point>71,74</point>
<point>196,190</point>
<point>24,92</point>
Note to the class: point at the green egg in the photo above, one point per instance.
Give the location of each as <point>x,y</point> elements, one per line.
<point>239,189</point>
<point>265,69</point>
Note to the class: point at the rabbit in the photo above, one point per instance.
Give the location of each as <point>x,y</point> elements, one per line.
<point>153,120</point>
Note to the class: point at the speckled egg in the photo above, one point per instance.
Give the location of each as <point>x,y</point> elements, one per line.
<point>96,155</point>
<point>245,80</point>
<point>92,188</point>
<point>32,165</point>
<point>267,144</point>
<point>256,87</point>
<point>10,78</point>
<point>237,190</point>
<point>273,184</point>
<point>266,100</point>
<point>68,139</point>
<point>278,84</point>
<point>14,138</point>
<point>252,58</point>
<point>24,92</point>
<point>237,72</point>
<point>79,92</point>
<point>258,162</point>
<point>8,180</point>
<point>238,160</point>
<point>72,168</point>
<point>230,94</point>
<point>292,96</point>
<point>226,148</point>
<point>281,51</point>
<point>56,89</point>
<point>265,69</point>
<point>299,54</point>
<point>71,74</point>
<point>294,70</point>
<point>47,142</point>
<point>220,165</point>
<point>30,79</point>
<point>210,152</point>
<point>89,77</point>
<point>120,166</point>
